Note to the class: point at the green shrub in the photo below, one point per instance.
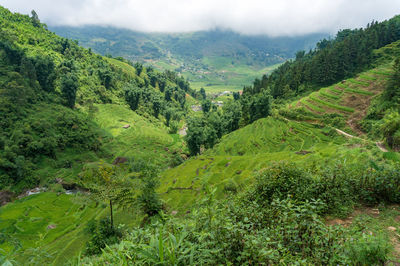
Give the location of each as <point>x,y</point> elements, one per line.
<point>368,249</point>
<point>101,234</point>
<point>379,186</point>
<point>278,182</point>
<point>173,127</point>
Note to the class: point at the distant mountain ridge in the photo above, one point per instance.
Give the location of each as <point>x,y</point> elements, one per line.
<point>231,58</point>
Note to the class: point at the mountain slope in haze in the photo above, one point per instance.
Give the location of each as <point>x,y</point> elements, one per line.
<point>211,59</point>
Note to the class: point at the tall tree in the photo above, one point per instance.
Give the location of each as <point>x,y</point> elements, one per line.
<point>203,93</point>
<point>69,86</point>
<point>35,19</point>
<point>107,183</point>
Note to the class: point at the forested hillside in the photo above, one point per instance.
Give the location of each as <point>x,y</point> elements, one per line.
<point>216,60</point>
<point>50,92</point>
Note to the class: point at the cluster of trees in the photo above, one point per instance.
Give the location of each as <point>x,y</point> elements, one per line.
<point>161,93</point>
<point>383,117</point>
<point>31,125</point>
<point>205,130</point>
<point>43,78</point>
<point>331,61</point>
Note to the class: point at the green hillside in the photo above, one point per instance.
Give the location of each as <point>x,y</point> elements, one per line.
<point>65,109</point>
<point>232,163</point>
<point>301,169</point>
<point>215,60</point>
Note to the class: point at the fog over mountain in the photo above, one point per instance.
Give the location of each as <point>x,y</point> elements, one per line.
<point>274,18</point>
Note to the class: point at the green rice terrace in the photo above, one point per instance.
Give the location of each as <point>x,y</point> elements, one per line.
<point>350,98</point>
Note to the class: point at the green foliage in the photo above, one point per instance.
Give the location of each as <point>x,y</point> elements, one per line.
<point>69,86</point>
<point>132,96</point>
<point>393,89</point>
<point>149,201</point>
<point>279,182</point>
<point>207,52</point>
<point>260,106</point>
<point>106,183</point>
<point>206,105</point>
<point>368,249</point>
<point>44,130</point>
<point>338,187</point>
<point>203,93</point>
<point>101,235</point>
<point>349,53</point>
<point>241,231</point>
<point>45,72</point>
<point>390,129</point>
<point>232,113</point>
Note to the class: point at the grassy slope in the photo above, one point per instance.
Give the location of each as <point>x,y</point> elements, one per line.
<point>27,219</point>
<point>351,97</point>
<point>145,138</point>
<point>233,162</point>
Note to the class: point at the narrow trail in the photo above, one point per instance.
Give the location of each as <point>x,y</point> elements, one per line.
<point>381,146</point>
<point>341,132</point>
<point>378,144</point>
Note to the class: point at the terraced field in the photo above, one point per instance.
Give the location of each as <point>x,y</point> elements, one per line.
<point>241,154</point>
<point>49,226</point>
<point>350,98</point>
<point>145,138</point>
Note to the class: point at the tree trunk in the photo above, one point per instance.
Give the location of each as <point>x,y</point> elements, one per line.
<point>111,214</point>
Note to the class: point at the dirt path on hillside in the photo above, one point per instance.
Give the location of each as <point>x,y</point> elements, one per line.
<point>341,132</point>
<point>391,225</point>
<point>380,145</point>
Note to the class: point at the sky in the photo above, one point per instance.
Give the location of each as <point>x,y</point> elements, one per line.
<point>270,17</point>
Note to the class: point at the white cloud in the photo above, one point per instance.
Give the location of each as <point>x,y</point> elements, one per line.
<point>272,17</point>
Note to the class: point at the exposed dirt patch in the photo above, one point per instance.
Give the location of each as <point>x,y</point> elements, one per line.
<point>51,226</point>
<point>373,212</point>
<point>5,197</point>
<point>183,130</point>
<point>343,222</point>
<point>361,104</point>
<point>303,152</point>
